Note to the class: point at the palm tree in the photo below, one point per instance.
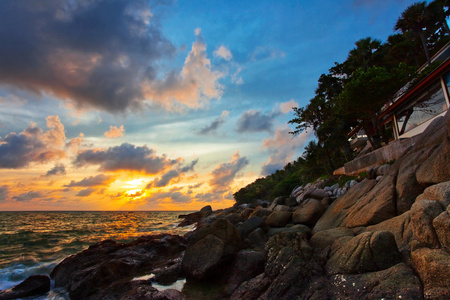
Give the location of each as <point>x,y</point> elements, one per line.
<point>416,18</point>
<point>362,55</point>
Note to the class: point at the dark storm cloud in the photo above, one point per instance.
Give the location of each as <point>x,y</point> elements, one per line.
<point>216,123</point>
<point>27,196</point>
<point>256,121</point>
<point>96,53</point>
<point>59,169</point>
<point>125,157</point>
<point>98,180</point>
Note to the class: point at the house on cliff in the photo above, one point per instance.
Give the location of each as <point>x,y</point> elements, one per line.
<point>413,109</point>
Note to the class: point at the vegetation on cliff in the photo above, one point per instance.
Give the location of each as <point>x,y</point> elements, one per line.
<point>353,93</point>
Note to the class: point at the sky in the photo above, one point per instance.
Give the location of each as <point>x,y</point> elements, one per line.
<point>161,105</point>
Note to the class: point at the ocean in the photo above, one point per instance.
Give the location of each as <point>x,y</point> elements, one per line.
<point>35,242</point>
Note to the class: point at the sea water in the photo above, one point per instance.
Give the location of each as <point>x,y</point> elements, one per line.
<point>35,242</point>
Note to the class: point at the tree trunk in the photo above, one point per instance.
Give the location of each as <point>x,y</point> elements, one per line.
<point>425,48</point>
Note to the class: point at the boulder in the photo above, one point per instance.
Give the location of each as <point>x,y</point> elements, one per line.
<point>279,218</point>
<point>318,194</point>
<point>433,268</point>
<point>276,201</point>
<point>435,169</point>
<point>335,215</point>
<point>400,227</point>
<point>282,208</point>
<point>396,282</point>
<point>246,213</point>
<point>247,265</point>
<point>376,206</point>
<point>35,285</point>
<point>422,216</point>
<point>309,212</point>
<point>325,238</point>
<point>367,252</point>
<point>261,212</point>
<point>251,289</point>
<point>250,225</point>
<point>439,192</point>
<point>87,274</point>
<point>302,229</point>
<point>441,226</point>
<point>210,248</point>
<point>256,239</point>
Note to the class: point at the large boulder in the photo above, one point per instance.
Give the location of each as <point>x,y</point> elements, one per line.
<point>326,238</point>
<point>335,215</point>
<point>435,169</point>
<point>422,215</point>
<point>400,227</point>
<point>247,265</point>
<point>396,282</point>
<point>441,226</point>
<point>439,192</point>
<point>433,268</point>
<point>279,218</point>
<point>35,285</point>
<point>309,212</point>
<point>96,269</point>
<point>377,205</point>
<point>250,225</point>
<point>367,252</point>
<point>210,248</point>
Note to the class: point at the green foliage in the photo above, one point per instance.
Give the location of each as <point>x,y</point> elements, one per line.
<point>352,94</point>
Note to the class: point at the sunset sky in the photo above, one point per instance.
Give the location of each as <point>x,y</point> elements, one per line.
<point>161,105</point>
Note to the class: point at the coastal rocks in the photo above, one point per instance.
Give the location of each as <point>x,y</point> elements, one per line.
<point>366,252</point>
<point>335,214</point>
<point>34,285</point>
<point>87,274</point>
<point>247,265</point>
<point>309,212</point>
<point>210,248</point>
<point>422,215</point>
<point>195,217</point>
<point>279,218</point>
<point>250,225</point>
<point>325,238</point>
<point>396,282</point>
<point>433,267</point>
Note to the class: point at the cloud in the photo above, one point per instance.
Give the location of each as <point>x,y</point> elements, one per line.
<point>86,192</point>
<point>193,87</point>
<point>286,107</point>
<point>100,54</point>
<point>27,196</point>
<point>33,145</point>
<point>174,195</point>
<point>265,53</point>
<point>224,53</point>
<point>282,148</point>
<point>256,121</point>
<point>224,174</point>
<point>4,192</point>
<point>171,176</point>
<point>99,180</point>
<point>58,169</point>
<point>115,132</point>
<point>126,157</point>
<point>219,121</point>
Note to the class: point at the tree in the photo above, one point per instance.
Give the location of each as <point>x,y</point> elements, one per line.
<point>417,19</point>
<point>363,56</point>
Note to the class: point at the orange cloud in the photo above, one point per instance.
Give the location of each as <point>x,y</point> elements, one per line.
<point>115,132</point>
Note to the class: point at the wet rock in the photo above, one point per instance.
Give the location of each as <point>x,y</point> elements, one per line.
<point>279,218</point>
<point>366,252</point>
<point>86,274</point>
<point>195,217</point>
<point>33,286</point>
<point>210,248</point>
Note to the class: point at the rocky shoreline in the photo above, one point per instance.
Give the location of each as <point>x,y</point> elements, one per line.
<point>384,236</point>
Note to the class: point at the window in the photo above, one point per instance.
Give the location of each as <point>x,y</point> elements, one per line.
<point>423,108</point>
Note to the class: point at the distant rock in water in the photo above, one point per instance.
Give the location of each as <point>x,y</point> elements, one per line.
<point>35,285</point>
